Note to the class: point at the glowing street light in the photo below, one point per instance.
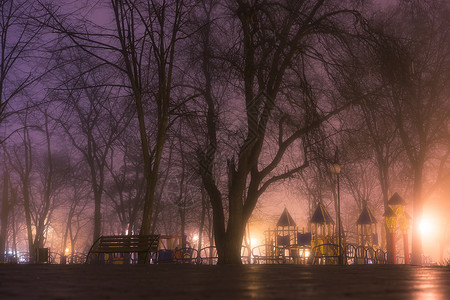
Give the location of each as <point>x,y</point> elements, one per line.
<point>426,227</point>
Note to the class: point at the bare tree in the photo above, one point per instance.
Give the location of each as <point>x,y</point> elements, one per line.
<point>52,170</point>
<point>17,41</point>
<point>398,71</point>
<point>141,47</point>
<point>415,66</point>
<point>18,71</point>
<point>371,131</point>
<point>78,194</point>
<point>22,164</point>
<point>90,120</point>
<point>272,43</point>
<point>126,185</point>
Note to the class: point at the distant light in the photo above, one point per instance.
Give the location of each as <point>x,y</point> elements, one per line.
<point>426,226</point>
<point>195,238</point>
<point>306,253</point>
<point>336,168</point>
<point>67,250</point>
<point>254,241</point>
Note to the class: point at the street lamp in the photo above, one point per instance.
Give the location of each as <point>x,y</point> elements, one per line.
<point>337,171</point>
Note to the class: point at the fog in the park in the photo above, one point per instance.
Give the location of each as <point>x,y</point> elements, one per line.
<point>255,129</point>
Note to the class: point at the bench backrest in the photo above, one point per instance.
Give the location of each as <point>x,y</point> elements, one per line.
<point>126,244</point>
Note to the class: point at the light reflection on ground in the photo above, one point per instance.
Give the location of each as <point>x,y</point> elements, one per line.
<point>427,284</point>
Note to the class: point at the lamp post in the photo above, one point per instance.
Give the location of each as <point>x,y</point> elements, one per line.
<point>337,171</point>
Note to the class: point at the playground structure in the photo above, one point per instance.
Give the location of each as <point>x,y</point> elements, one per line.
<point>366,229</point>
<point>286,243</point>
<point>396,216</point>
<point>324,244</point>
<point>367,239</point>
<point>320,246</point>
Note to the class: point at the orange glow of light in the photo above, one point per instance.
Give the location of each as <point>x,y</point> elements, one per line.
<point>67,250</point>
<point>254,241</point>
<point>307,253</point>
<point>426,227</point>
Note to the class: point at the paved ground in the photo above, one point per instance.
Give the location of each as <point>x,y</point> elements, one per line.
<point>223,282</point>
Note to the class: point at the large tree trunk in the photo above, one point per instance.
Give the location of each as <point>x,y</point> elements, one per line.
<point>231,253</point>
<point>229,242</point>
<point>416,249</point>
<point>26,203</point>
<point>229,245</point>
<point>4,215</point>
<point>150,178</point>
<point>26,198</point>
<point>97,217</point>
<point>13,219</point>
<point>202,221</point>
<point>150,171</point>
<point>42,218</point>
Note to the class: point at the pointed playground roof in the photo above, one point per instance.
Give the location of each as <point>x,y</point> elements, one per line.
<point>321,215</point>
<point>366,217</point>
<point>389,212</point>
<point>396,200</point>
<point>285,219</point>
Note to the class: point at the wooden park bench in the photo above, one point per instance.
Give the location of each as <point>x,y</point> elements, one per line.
<point>107,248</point>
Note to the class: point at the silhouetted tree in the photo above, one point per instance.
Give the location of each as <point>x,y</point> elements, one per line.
<point>270,48</point>
<point>414,64</point>
<point>141,47</point>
